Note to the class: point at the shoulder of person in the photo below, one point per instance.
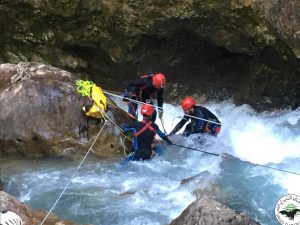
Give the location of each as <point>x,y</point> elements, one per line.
<point>135,124</point>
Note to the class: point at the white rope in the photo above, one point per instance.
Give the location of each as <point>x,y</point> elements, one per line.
<point>23,72</point>
<point>73,175</point>
<point>111,122</point>
<point>159,108</point>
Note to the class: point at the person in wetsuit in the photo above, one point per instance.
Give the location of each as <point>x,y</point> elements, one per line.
<point>141,89</point>
<point>199,120</point>
<point>144,133</point>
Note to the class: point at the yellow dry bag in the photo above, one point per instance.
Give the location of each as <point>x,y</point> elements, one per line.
<point>99,106</point>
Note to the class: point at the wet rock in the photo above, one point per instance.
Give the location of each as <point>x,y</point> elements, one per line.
<point>204,184</point>
<point>288,24</point>
<point>27,214</point>
<point>239,49</point>
<point>40,115</point>
<point>207,211</point>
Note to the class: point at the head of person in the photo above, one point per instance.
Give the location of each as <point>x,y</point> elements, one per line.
<point>147,111</point>
<point>188,105</point>
<point>158,81</point>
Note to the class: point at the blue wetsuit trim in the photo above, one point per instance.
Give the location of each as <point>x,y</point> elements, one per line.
<point>135,144</point>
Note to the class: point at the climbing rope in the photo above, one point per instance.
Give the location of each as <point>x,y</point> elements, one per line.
<point>26,70</point>
<point>23,72</point>
<point>122,133</point>
<point>84,87</point>
<point>73,174</point>
<point>163,125</point>
<point>227,157</point>
<point>159,108</point>
<point>124,147</point>
<point>110,102</point>
<point>195,149</point>
<point>182,146</point>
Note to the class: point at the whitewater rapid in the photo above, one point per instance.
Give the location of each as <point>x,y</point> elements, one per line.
<point>107,192</point>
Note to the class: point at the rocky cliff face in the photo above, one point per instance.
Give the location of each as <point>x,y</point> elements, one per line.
<point>245,49</point>
<point>207,211</point>
<point>28,214</point>
<point>40,115</point>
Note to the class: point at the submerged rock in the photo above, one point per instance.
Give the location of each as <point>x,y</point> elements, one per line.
<point>41,113</point>
<point>207,211</point>
<point>28,215</point>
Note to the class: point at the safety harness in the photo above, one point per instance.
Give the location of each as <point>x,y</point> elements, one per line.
<point>145,127</point>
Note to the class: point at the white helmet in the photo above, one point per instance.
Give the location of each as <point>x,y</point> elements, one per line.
<point>10,218</point>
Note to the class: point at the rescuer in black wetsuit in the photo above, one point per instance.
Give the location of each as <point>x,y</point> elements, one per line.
<point>144,133</point>
<point>141,89</point>
<point>200,120</point>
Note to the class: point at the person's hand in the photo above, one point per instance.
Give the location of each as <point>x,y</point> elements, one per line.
<point>169,142</point>
<point>186,134</point>
<point>126,95</point>
<point>123,126</point>
<point>160,114</point>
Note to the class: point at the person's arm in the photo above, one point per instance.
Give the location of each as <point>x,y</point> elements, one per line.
<point>179,125</point>
<point>186,134</point>
<point>160,100</point>
<point>163,136</point>
<point>199,124</point>
<point>127,127</point>
<point>130,85</point>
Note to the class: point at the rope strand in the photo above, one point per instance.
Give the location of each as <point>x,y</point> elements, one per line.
<point>159,108</point>
<point>73,175</point>
<point>226,157</point>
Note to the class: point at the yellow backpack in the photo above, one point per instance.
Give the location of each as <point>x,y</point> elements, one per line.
<point>95,93</point>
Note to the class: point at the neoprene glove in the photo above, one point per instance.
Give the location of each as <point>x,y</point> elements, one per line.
<point>126,95</point>
<point>169,141</point>
<point>186,134</point>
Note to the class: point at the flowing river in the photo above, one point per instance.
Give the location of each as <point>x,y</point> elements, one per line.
<point>109,192</point>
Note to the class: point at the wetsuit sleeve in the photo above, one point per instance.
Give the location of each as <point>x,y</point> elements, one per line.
<point>162,135</point>
<point>130,85</point>
<point>160,100</point>
<point>199,124</point>
<point>179,125</point>
<point>125,127</point>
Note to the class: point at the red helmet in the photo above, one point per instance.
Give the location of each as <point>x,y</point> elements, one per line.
<point>147,110</point>
<point>158,80</point>
<point>188,103</point>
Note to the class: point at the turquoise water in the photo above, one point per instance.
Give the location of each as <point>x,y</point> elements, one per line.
<point>106,192</point>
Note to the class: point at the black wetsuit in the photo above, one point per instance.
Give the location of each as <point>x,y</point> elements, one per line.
<point>199,125</point>
<point>141,90</point>
<point>143,138</point>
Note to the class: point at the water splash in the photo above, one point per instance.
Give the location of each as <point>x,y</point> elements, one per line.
<point>150,192</point>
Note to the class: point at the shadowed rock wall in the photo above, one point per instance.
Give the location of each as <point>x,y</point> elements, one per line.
<point>245,49</point>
